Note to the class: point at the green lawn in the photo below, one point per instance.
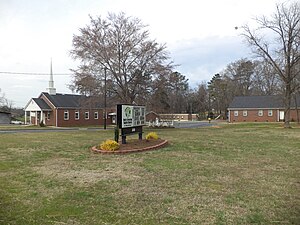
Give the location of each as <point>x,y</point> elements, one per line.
<point>232,174</point>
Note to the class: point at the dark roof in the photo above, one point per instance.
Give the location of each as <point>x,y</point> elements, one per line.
<point>41,103</point>
<point>260,102</point>
<point>71,101</point>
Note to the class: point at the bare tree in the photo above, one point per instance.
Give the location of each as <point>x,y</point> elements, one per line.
<point>240,73</point>
<point>281,52</point>
<point>2,98</point>
<point>5,104</point>
<point>121,46</point>
<point>266,80</point>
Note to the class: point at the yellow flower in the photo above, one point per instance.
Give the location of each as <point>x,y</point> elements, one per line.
<point>109,145</point>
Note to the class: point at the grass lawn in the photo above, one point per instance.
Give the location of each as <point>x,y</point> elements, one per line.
<point>232,174</point>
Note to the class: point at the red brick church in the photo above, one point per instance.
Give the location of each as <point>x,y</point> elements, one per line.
<point>65,110</point>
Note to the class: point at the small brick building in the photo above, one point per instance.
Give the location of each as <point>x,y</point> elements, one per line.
<point>260,109</point>
<point>151,117</point>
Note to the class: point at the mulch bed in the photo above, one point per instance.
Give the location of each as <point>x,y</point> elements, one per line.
<point>135,146</point>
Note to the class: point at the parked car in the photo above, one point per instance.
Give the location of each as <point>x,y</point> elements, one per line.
<point>16,122</point>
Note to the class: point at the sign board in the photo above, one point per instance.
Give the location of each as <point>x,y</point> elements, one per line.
<point>131,116</point>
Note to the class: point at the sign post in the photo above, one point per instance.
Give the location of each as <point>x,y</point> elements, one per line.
<point>131,119</point>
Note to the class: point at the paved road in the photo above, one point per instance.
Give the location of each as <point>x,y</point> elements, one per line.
<point>20,130</point>
<point>192,124</point>
<point>180,124</point>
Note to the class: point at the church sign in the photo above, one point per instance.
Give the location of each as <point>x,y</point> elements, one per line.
<point>131,119</point>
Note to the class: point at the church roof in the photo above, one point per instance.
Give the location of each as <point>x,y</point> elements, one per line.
<point>42,104</point>
<point>260,102</point>
<point>71,101</point>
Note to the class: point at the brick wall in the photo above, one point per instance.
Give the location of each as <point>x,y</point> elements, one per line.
<point>50,121</point>
<point>294,115</point>
<point>82,121</point>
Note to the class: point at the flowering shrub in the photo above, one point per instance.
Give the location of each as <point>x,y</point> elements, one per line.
<point>152,135</point>
<point>109,145</point>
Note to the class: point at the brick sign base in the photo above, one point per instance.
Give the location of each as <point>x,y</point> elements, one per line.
<point>154,147</point>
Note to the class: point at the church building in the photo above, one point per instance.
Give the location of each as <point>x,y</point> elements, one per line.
<point>65,110</point>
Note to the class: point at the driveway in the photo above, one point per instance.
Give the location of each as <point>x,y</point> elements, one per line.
<point>192,124</point>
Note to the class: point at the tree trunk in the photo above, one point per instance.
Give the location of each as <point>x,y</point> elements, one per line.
<point>287,105</point>
<point>296,108</point>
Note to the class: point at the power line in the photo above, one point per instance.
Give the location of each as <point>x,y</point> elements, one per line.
<point>35,74</point>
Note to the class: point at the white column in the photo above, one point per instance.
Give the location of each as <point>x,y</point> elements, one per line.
<point>36,118</point>
<point>42,116</point>
<point>25,117</point>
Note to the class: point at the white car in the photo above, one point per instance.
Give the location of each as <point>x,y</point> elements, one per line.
<point>16,122</point>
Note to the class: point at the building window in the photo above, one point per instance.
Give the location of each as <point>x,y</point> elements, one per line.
<point>270,112</point>
<point>236,113</point>
<point>87,115</point>
<point>245,113</point>
<point>260,112</point>
<point>76,115</point>
<point>66,115</point>
<point>48,115</point>
<point>95,115</point>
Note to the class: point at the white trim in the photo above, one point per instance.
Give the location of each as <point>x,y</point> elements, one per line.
<point>280,113</point>
<point>270,112</point>
<point>36,116</point>
<point>66,112</point>
<point>96,113</point>
<point>77,111</point>
<point>32,106</point>
<point>88,115</point>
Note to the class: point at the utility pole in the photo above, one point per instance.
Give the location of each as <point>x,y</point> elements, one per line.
<point>104,98</point>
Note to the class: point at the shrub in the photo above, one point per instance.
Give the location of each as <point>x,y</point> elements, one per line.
<point>152,135</point>
<point>109,145</point>
<point>42,124</point>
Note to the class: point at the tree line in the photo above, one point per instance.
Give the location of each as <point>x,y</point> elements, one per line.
<point>117,54</point>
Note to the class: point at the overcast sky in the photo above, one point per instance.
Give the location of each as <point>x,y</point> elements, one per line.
<point>199,35</point>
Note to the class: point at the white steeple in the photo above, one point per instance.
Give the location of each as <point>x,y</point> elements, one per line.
<point>51,89</point>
